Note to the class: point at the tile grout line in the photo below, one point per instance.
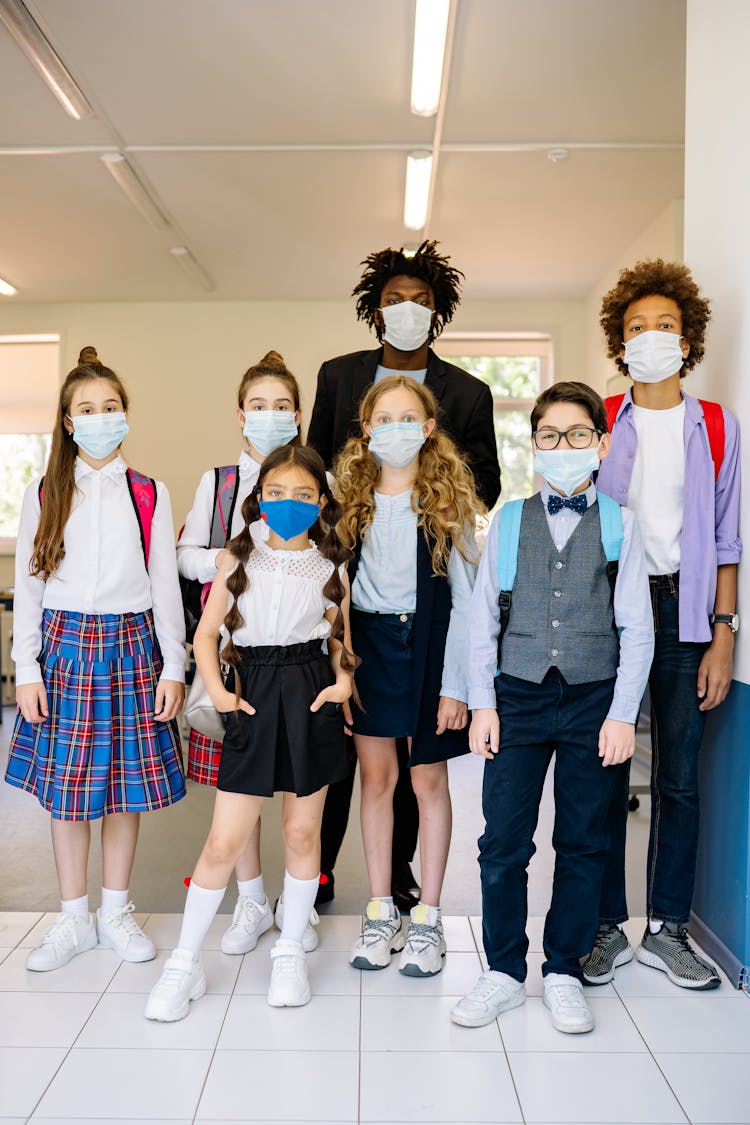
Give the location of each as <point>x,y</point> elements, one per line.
<point>218,1037</point>
<point>651,1053</point>
<point>359,1053</point>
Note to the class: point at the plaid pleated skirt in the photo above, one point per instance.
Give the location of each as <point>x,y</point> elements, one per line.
<point>204,756</point>
<point>100,751</point>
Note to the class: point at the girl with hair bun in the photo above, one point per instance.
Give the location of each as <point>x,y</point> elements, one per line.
<point>272,605</point>
<point>100,660</point>
<point>268,413</point>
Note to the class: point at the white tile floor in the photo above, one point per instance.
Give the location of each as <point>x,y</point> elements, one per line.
<point>371,1047</point>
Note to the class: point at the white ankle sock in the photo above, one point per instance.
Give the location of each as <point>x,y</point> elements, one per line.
<point>388,900</point>
<point>252,888</point>
<point>299,899</point>
<point>79,906</point>
<point>654,927</point>
<point>201,906</point>
<point>113,900</point>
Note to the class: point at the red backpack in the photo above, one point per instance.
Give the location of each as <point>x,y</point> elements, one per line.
<point>142,491</point>
<point>713,416</point>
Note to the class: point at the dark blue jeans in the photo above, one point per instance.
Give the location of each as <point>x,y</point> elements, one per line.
<point>537,721</point>
<point>677,727</point>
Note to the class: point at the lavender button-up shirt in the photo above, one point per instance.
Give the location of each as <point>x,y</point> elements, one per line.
<point>710,518</point>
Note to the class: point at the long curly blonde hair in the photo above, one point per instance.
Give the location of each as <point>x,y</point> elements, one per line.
<point>443,496</point>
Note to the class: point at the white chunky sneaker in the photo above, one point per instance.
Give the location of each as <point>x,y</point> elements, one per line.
<point>289,987</point>
<point>118,930</point>
<point>69,935</point>
<point>181,981</point>
<point>250,921</point>
<point>381,936</point>
<point>563,995</point>
<point>309,937</point>
<point>425,944</point>
<point>492,994</point>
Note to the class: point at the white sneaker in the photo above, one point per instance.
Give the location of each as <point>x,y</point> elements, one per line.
<point>563,995</point>
<point>425,945</point>
<point>181,981</point>
<point>250,921</point>
<point>381,936</point>
<point>119,930</point>
<point>289,987</point>
<point>309,937</point>
<point>69,935</point>
<point>492,994</point>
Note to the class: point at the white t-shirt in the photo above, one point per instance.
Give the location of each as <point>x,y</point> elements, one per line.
<point>657,486</point>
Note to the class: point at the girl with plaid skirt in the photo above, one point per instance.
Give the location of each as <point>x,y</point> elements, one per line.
<point>272,605</point>
<point>268,413</point>
<point>100,660</point>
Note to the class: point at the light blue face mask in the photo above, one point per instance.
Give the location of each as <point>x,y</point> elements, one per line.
<point>99,434</point>
<point>566,469</point>
<point>396,444</point>
<point>266,430</point>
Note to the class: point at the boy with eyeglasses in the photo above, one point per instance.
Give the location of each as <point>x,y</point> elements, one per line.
<point>576,643</point>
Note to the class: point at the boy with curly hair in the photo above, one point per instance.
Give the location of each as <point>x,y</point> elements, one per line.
<point>675,462</point>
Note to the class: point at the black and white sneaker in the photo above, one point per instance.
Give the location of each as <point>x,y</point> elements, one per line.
<point>671,952</point>
<point>610,950</point>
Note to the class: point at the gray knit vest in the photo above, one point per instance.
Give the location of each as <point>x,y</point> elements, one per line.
<point>561,612</point>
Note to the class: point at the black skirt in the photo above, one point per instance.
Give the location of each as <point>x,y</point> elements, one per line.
<point>284,746</point>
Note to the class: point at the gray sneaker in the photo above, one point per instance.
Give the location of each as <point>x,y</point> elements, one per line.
<point>610,950</point>
<point>671,952</point>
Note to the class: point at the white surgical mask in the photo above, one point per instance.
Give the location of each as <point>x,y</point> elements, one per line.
<point>651,357</point>
<point>268,429</point>
<point>566,469</point>
<point>407,325</point>
<point>397,443</point>
<point>99,434</point>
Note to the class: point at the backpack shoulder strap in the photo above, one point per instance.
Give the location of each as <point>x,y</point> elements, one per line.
<point>612,404</point>
<point>610,526</point>
<point>713,416</point>
<point>226,487</point>
<point>143,494</point>
<point>507,543</point>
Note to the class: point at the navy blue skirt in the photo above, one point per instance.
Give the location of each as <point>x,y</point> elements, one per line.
<point>385,644</point>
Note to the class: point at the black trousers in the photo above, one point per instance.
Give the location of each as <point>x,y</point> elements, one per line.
<point>405,814</point>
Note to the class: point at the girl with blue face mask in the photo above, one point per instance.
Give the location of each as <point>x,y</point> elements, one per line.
<point>268,414</point>
<point>272,606</point>
<point>409,515</point>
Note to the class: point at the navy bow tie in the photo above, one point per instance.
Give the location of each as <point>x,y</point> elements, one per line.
<point>577,503</point>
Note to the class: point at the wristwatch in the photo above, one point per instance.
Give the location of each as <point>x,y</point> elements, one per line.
<point>730,619</point>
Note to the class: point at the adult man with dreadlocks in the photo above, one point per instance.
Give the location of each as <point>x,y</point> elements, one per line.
<point>408,301</point>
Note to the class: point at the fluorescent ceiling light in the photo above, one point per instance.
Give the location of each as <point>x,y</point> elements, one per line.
<point>417,195</point>
<point>192,267</point>
<point>6,289</point>
<point>40,53</point>
<point>128,181</point>
<point>430,26</point>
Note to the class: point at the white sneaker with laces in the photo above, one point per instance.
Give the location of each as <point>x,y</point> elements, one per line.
<point>381,936</point>
<point>309,937</point>
<point>425,944</point>
<point>118,930</point>
<point>492,994</point>
<point>250,921</point>
<point>563,995</point>
<point>181,981</point>
<point>289,987</point>
<point>69,935</point>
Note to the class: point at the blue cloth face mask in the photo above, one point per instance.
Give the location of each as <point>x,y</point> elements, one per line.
<point>266,430</point>
<point>288,518</point>
<point>566,469</point>
<point>99,434</point>
<point>397,443</point>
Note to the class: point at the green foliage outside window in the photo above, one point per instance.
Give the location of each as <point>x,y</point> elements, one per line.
<point>22,457</point>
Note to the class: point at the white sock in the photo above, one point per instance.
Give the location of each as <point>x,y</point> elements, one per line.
<point>388,900</point>
<point>201,906</point>
<point>620,926</point>
<point>252,888</point>
<point>79,906</point>
<point>299,899</point>
<point>113,900</point>
<point>654,927</point>
<point>430,907</point>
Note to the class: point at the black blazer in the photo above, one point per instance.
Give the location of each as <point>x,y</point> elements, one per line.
<point>464,402</point>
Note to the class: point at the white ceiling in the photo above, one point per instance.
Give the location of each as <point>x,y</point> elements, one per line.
<point>287,224</point>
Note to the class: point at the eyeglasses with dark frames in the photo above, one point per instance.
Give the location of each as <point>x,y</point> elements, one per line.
<point>577,437</point>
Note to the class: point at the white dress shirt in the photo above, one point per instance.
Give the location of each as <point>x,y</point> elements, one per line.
<point>194,558</point>
<point>632,612</point>
<point>103,570</point>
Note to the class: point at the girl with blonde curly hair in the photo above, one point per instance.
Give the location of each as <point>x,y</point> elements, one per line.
<point>409,513</point>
